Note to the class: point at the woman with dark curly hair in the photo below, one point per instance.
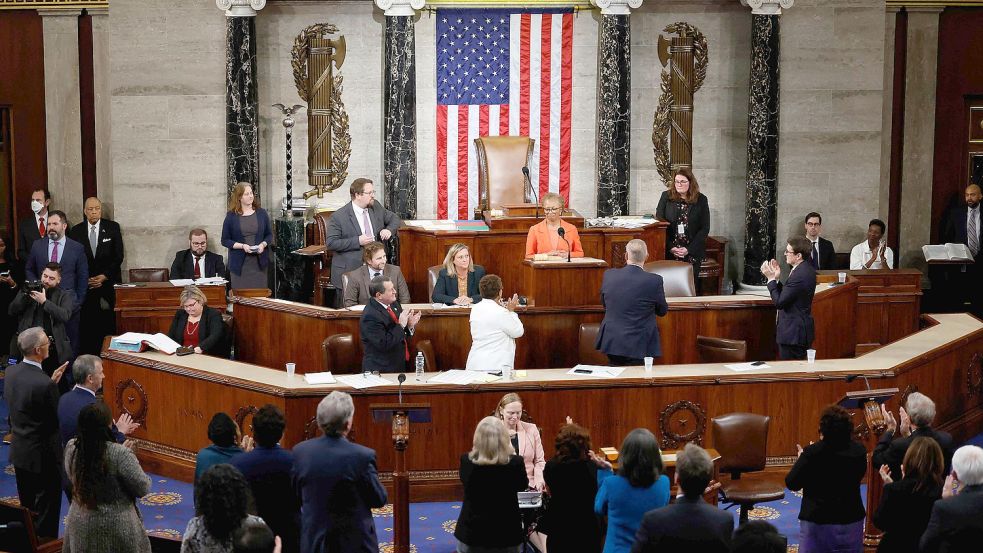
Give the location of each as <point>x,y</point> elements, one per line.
<point>571,478</point>
<point>222,500</point>
<point>829,472</point>
<point>106,481</point>
<point>227,442</point>
<point>906,505</point>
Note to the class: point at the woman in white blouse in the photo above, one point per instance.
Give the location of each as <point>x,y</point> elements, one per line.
<point>872,253</point>
<point>494,328</point>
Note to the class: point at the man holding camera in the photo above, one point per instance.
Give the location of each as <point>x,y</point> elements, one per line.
<point>43,304</point>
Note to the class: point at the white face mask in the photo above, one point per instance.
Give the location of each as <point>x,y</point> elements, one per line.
<point>36,206</point>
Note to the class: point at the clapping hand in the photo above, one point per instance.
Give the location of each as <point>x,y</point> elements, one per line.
<point>126,425</point>
<point>512,303</point>
<point>247,443</point>
<point>56,376</point>
<point>414,317</point>
<point>771,269</point>
<point>889,420</point>
<point>905,427</point>
<point>885,472</point>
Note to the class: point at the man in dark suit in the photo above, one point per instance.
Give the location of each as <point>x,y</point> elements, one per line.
<point>963,226</point>
<point>796,329</point>
<point>337,483</point>
<point>36,450</point>
<point>822,255</point>
<point>689,524</point>
<point>956,524</point>
<point>916,420</point>
<point>374,255</point>
<point>197,261</point>
<point>50,309</point>
<point>356,224</point>
<point>385,329</point>
<point>103,243</point>
<point>268,469</point>
<point>31,228</point>
<point>632,299</point>
<point>88,374</point>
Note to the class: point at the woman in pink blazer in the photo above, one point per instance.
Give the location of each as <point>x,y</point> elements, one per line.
<point>525,439</point>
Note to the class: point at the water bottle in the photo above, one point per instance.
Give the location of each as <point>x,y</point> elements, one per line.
<point>420,363</point>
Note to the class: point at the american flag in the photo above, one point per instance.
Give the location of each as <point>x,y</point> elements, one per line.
<point>502,72</point>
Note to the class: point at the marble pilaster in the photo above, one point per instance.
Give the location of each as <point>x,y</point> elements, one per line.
<point>613,114</point>
<point>102,101</point>
<point>292,280</point>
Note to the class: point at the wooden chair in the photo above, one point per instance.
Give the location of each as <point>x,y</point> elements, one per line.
<point>741,439</point>
<point>587,354</point>
<point>341,354</point>
<point>149,274</point>
<point>432,274</point>
<point>17,534</point>
<point>721,350</point>
<point>500,163</point>
<point>677,277</point>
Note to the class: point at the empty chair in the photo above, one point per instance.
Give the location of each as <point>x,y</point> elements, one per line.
<point>677,277</point>
<point>741,439</point>
<point>587,354</point>
<point>426,347</point>
<point>149,274</point>
<point>721,350</point>
<point>341,355</point>
<point>432,274</point>
<point>500,163</point>
<point>17,532</point>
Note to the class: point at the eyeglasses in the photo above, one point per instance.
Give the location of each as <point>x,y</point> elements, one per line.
<point>190,305</point>
<point>789,252</point>
<point>551,209</point>
<point>199,243</point>
<point>372,193</point>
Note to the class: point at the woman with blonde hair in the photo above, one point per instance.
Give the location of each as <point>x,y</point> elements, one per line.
<point>197,325</point>
<point>525,438</point>
<point>457,282</point>
<point>247,232</point>
<point>492,475</point>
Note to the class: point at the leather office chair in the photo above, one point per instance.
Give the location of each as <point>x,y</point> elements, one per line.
<point>500,163</point>
<point>341,354</point>
<point>741,439</point>
<point>228,332</point>
<point>150,274</point>
<point>677,277</point>
<point>429,357</point>
<point>721,350</point>
<point>586,354</point>
<point>432,274</point>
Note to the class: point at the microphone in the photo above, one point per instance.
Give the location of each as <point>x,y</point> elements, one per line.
<point>525,174</point>
<point>560,232</point>
<point>852,377</point>
<point>401,378</point>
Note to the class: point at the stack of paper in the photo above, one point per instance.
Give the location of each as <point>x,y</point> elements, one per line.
<point>319,378</point>
<point>159,341</point>
<point>596,370</point>
<point>462,377</point>
<point>361,381</point>
<point>750,366</point>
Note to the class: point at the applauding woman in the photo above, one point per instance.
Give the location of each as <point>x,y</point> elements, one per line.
<point>197,325</point>
<point>457,282</point>
<point>907,504</point>
<point>688,214</point>
<point>247,233</point>
<point>525,439</point>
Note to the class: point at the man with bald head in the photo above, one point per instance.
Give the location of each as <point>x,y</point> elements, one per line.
<point>103,243</point>
<point>963,226</point>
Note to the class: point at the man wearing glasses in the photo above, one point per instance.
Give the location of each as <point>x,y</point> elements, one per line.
<point>197,261</point>
<point>793,299</point>
<point>356,224</point>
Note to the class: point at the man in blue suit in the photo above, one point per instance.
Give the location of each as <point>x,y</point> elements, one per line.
<point>88,373</point>
<point>337,483</point>
<point>632,300</point>
<point>793,299</point>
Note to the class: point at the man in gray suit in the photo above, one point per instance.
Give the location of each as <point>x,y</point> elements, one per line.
<point>357,288</point>
<point>354,225</point>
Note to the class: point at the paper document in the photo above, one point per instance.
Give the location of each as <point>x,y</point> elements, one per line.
<point>210,280</point>
<point>357,307</point>
<point>751,366</point>
<point>596,370</point>
<point>461,376</point>
<point>359,381</point>
<point>947,252</point>
<point>319,378</point>
<point>182,281</point>
<point>159,341</point>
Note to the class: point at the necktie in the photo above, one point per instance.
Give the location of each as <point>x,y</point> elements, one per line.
<point>197,267</point>
<point>366,223</point>
<point>406,347</point>
<point>972,233</point>
<point>41,228</point>
<point>93,239</point>
<point>54,254</point>
<point>375,274</point>
<point>815,254</point>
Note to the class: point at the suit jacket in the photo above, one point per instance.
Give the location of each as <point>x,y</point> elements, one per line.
<point>490,513</point>
<point>183,265</point>
<point>794,303</point>
<point>954,229</point>
<point>493,333</point>
<point>445,289</point>
<point>211,330</point>
<point>107,259</point>
<point>59,306</point>
<point>232,233</point>
<point>69,406</point>
<point>27,234</point>
<point>903,515</point>
<point>342,232</point>
<point>890,452</point>
<point>538,239</point>
<point>827,255</point>
<point>357,292</point>
<point>338,485</point>
<point>33,400</point>
<point>690,524</point>
<point>269,471</point>
<point>955,524</point>
<point>829,476</point>
<point>531,451</point>
<point>697,229</point>
<point>74,267</point>
<point>383,339</point>
<point>569,521</point>
<point>632,299</point>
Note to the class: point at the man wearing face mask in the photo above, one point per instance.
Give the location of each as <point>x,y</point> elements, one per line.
<point>32,228</point>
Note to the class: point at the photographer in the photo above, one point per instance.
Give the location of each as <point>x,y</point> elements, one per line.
<point>46,305</point>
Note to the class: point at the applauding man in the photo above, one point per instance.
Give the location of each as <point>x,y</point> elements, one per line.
<point>793,299</point>
<point>385,329</point>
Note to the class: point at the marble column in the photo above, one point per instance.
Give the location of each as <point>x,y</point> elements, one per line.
<point>292,275</point>
<point>614,106</point>
<point>399,107</point>
<point>63,128</point>
<point>241,110</point>
<point>761,207</point>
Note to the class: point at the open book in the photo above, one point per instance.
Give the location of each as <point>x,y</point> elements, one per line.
<point>947,252</point>
<point>136,341</point>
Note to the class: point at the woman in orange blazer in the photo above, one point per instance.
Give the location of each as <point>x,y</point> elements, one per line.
<point>543,236</point>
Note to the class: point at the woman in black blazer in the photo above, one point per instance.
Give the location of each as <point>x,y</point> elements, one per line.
<point>492,475</point>
<point>457,282</point>
<point>198,325</point>
<point>906,505</point>
<point>686,209</point>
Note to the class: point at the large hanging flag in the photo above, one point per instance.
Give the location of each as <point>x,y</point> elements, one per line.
<point>502,72</point>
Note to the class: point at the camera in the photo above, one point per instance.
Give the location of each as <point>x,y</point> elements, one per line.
<point>32,286</point>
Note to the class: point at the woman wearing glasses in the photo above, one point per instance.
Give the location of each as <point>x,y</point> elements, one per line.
<point>544,237</point>
<point>688,214</point>
<point>197,325</point>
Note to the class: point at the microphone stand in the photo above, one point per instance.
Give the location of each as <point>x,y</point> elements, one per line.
<point>562,234</point>
<point>525,175</point>
<point>401,378</point>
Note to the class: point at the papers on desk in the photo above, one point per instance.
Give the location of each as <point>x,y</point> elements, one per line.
<point>462,377</point>
<point>751,366</point>
<point>182,281</point>
<point>361,381</point>
<point>319,378</point>
<point>596,370</point>
<point>203,281</point>
<point>135,341</point>
<point>356,307</point>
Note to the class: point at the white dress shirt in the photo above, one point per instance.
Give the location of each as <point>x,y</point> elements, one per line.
<point>861,254</point>
<point>493,333</point>
<point>361,220</point>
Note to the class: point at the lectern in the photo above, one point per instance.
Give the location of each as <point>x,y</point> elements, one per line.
<point>401,415</point>
<point>870,402</point>
<point>557,282</point>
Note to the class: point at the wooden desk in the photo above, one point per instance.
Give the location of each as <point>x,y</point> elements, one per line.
<point>888,304</point>
<point>557,283</point>
<point>149,306</point>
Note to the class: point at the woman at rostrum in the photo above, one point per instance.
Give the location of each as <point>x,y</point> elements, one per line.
<point>687,211</point>
<point>197,325</point>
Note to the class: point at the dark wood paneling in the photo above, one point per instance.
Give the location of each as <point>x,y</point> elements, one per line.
<point>571,283</point>
<point>888,305</point>
<point>149,307</point>
<point>897,129</point>
<point>87,107</point>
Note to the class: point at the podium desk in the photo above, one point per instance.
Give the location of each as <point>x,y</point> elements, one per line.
<point>149,307</point>
<point>558,282</point>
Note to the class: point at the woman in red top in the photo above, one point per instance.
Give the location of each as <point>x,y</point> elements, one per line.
<point>197,325</point>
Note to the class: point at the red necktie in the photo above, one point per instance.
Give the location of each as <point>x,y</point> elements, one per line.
<point>41,227</point>
<point>406,346</point>
<point>197,268</point>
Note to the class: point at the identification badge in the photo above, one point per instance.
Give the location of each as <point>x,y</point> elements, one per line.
<point>680,229</point>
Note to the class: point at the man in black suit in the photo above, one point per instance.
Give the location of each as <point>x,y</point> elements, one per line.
<point>337,483</point>
<point>357,289</point>
<point>385,329</point>
<point>103,243</point>
<point>36,450</point>
<point>31,228</point>
<point>632,299</point>
<point>50,308</point>
<point>197,261</point>
<point>956,524</point>
<point>822,255</point>
<point>963,226</point>
<point>689,524</point>
<point>796,328</point>
<point>916,420</point>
